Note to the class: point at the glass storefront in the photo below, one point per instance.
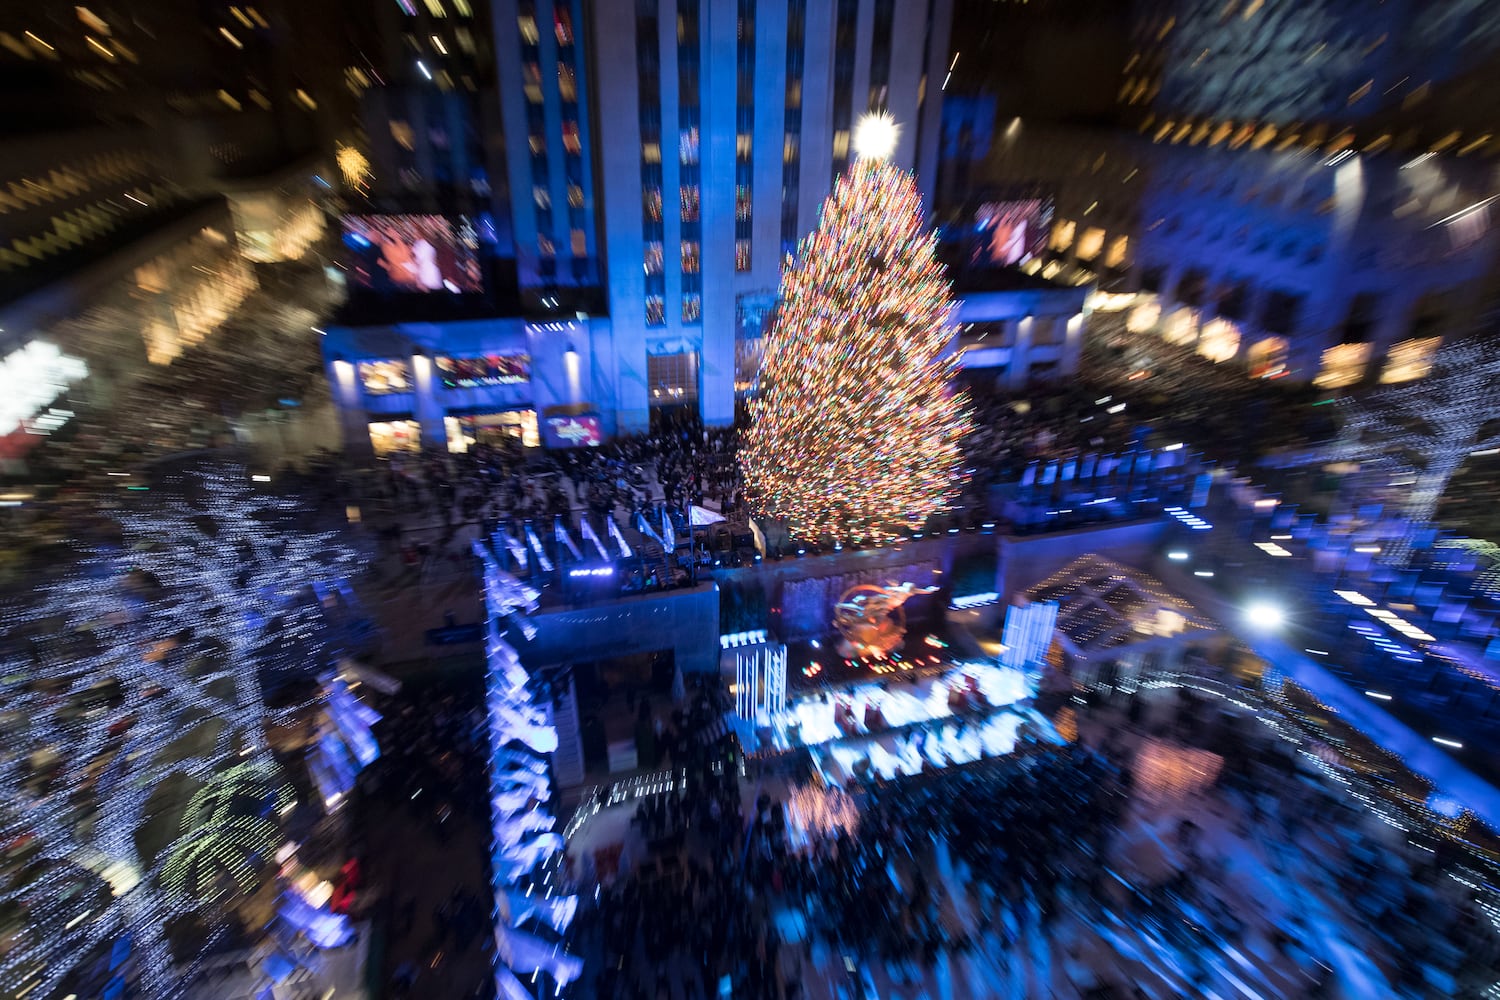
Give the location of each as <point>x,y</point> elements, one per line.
<point>492,428</point>
<point>395,435</point>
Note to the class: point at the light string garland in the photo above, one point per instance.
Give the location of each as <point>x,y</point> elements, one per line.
<point>525,849</point>
<point>140,670</point>
<point>1439,420</point>
<point>855,432</point>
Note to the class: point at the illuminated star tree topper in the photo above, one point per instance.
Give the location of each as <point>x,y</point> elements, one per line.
<point>855,432</point>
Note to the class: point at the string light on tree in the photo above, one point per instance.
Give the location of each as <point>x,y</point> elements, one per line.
<point>855,432</point>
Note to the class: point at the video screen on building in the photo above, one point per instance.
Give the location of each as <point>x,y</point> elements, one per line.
<point>413,253</point>
<point>488,369</point>
<point>581,431</point>
<point>1012,231</point>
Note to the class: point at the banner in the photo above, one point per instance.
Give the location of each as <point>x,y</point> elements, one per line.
<point>614,532</point>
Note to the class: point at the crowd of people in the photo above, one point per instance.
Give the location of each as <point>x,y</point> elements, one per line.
<point>977,865</point>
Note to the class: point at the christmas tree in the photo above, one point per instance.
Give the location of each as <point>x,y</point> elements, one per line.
<point>855,433</point>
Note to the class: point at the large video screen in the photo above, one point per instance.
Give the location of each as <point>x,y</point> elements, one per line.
<point>1014,231</point>
<point>489,369</point>
<point>413,253</point>
<point>582,431</point>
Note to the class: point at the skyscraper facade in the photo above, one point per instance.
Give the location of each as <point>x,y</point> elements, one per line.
<point>721,125</point>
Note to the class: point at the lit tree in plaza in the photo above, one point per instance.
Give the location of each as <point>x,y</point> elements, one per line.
<point>1430,426</point>
<point>139,785</point>
<point>856,429</point>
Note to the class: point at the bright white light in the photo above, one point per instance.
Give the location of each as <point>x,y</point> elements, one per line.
<point>1173,447</point>
<point>1177,556</point>
<point>260,479</point>
<point>1378,696</point>
<point>875,136</point>
<point>1117,408</point>
<point>1448,743</point>
<point>1205,573</point>
<point>1367,549</point>
<point>423,67</point>
<point>1263,615</point>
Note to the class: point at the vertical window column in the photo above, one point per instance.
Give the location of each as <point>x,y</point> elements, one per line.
<point>648,79</point>
<point>791,143</point>
<point>536,130</point>
<point>572,138</point>
<point>688,169</point>
<point>880,54</point>
<point>744,139</point>
<point>845,34</point>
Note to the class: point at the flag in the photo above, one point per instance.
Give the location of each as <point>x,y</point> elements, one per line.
<point>644,527</point>
<point>536,546</point>
<point>515,548</point>
<point>668,536</point>
<point>759,536</point>
<point>560,531</point>
<point>700,516</point>
<point>614,532</point>
<point>592,537</point>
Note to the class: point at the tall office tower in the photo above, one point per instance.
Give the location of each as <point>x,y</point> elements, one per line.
<point>544,87</point>
<point>425,73</point>
<point>721,125</point>
<point>1328,62</point>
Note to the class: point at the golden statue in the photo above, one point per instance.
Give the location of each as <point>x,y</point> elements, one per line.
<point>871,620</point>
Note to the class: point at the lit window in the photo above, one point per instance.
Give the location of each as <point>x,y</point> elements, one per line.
<point>1410,359</point>
<point>687,145</point>
<point>689,256</point>
<point>656,311</point>
<point>742,145</point>
<point>654,257</point>
<point>689,195</point>
<point>575,196</point>
<point>651,203</point>
<point>692,307</point>
<point>742,201</point>
<point>1219,341</point>
<point>790,147</point>
<point>840,144</point>
<point>527,24</point>
<point>1118,248</point>
<point>563,23</point>
<point>571,141</point>
<point>1343,365</point>
<point>435,8</point>
<point>545,245</point>
<point>651,152</point>
<point>1062,235</point>
<point>567,84</point>
<point>580,243</point>
<point>742,255</point>
<point>1090,244</point>
<point>542,196</point>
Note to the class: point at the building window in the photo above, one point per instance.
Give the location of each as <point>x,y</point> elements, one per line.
<point>580,243</point>
<point>654,257</point>
<point>673,378</point>
<point>692,307</point>
<point>656,310</point>
<point>742,255</point>
<point>381,378</point>
<point>541,196</point>
<point>545,246</point>
<point>690,260</point>
<point>690,203</point>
